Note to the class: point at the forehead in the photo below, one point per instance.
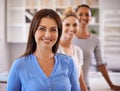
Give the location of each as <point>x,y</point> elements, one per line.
<point>83,9</point>
<point>71,19</point>
<point>47,21</point>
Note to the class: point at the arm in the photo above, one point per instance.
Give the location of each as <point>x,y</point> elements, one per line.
<point>13,83</point>
<point>74,78</point>
<point>82,82</point>
<point>102,67</point>
<point>104,72</point>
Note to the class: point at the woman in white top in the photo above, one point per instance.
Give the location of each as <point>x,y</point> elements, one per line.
<point>70,24</point>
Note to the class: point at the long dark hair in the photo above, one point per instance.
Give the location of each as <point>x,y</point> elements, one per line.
<point>31,44</point>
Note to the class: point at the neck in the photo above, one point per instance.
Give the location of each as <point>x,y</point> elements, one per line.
<point>83,33</point>
<point>44,54</point>
<point>67,47</point>
<point>66,43</point>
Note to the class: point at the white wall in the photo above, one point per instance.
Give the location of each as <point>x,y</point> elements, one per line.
<point>112,61</point>
<point>8,51</point>
<point>4,49</point>
<point>109,4</point>
<point>16,50</point>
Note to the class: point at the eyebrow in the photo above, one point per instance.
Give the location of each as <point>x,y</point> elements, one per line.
<point>41,26</point>
<point>46,27</point>
<point>69,22</point>
<point>66,22</point>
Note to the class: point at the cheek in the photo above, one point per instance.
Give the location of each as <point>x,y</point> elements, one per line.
<point>65,29</point>
<point>76,28</point>
<point>38,35</point>
<point>55,36</point>
<point>79,17</point>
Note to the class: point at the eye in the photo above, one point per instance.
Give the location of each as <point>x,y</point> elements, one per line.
<point>75,24</point>
<point>86,14</point>
<point>67,24</point>
<point>80,14</point>
<point>41,28</point>
<point>53,29</point>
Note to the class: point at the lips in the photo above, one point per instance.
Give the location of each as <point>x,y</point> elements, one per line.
<point>71,32</point>
<point>83,21</point>
<point>47,40</point>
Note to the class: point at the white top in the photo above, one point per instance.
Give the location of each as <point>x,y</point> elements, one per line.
<point>77,56</point>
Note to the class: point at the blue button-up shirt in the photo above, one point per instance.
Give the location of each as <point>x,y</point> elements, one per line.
<point>26,75</point>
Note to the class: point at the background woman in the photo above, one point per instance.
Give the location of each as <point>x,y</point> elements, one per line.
<point>70,26</point>
<point>90,44</point>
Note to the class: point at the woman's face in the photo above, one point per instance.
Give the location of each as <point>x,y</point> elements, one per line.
<point>84,15</point>
<point>47,33</point>
<point>70,26</point>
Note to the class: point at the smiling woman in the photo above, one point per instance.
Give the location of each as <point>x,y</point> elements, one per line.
<point>90,44</point>
<point>40,63</point>
<point>70,24</point>
<point>46,34</point>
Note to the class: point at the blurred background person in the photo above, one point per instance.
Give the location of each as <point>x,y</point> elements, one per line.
<point>70,24</point>
<point>90,44</point>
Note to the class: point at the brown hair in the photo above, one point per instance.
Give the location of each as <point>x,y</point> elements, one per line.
<point>31,44</point>
<point>69,12</point>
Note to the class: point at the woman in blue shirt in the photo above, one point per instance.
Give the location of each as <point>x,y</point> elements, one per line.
<point>40,68</point>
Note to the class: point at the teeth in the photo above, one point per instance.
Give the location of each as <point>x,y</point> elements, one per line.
<point>46,40</point>
<point>71,32</point>
<point>83,22</point>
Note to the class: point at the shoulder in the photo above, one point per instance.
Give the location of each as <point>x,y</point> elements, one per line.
<point>94,36</point>
<point>21,62</point>
<point>78,51</point>
<point>75,39</point>
<point>63,58</point>
<point>77,48</point>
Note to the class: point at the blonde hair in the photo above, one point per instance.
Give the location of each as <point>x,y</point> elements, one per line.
<point>69,12</point>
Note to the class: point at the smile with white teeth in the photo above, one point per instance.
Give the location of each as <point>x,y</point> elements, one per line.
<point>47,40</point>
<point>71,32</point>
<point>83,21</point>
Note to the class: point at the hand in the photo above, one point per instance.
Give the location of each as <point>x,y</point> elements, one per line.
<point>115,87</point>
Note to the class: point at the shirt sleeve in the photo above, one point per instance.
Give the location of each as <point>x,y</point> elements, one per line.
<point>74,78</point>
<point>13,83</point>
<point>98,54</point>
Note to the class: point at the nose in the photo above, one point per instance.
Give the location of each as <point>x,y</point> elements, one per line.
<point>84,17</point>
<point>71,28</point>
<point>47,33</point>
